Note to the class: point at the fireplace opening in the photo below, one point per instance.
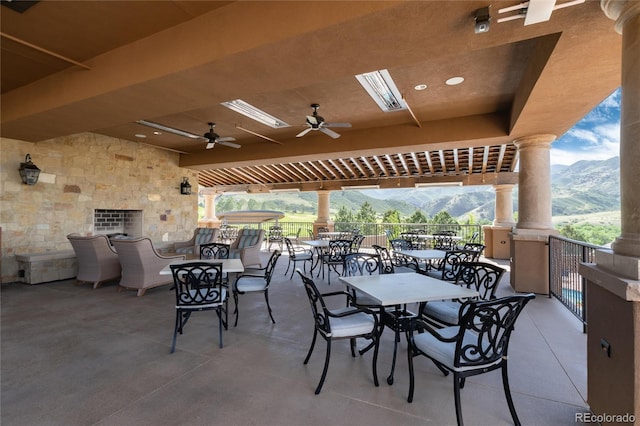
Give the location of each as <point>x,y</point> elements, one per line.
<point>117,223</point>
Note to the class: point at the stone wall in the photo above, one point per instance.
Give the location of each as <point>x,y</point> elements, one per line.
<point>81,173</point>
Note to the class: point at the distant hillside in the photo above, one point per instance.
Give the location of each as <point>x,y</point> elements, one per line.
<point>582,188</point>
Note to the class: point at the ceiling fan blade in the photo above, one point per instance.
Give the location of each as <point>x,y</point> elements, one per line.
<point>229,144</point>
<point>311,119</point>
<point>258,134</point>
<point>225,139</point>
<point>304,132</point>
<point>329,132</point>
<point>211,145</point>
<point>169,129</point>
<point>336,124</point>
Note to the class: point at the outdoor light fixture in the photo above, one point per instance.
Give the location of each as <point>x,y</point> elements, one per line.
<point>185,186</point>
<point>277,190</point>
<point>248,110</point>
<point>346,188</point>
<point>483,20</point>
<point>29,172</point>
<point>429,184</point>
<point>380,86</point>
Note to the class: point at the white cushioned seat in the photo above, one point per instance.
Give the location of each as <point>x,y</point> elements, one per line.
<point>350,325</point>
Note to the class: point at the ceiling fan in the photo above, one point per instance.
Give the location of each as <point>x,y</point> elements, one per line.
<point>315,122</point>
<point>211,137</point>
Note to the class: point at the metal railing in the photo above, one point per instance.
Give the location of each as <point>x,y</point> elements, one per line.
<point>375,233</point>
<point>565,282</point>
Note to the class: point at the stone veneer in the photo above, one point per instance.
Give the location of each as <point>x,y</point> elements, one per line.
<point>82,173</point>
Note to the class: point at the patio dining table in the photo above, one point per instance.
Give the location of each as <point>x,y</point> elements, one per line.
<point>425,257</point>
<point>318,247</point>
<point>232,266</point>
<point>398,290</point>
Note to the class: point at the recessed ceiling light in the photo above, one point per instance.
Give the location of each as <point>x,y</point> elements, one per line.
<point>420,87</point>
<point>454,80</point>
<point>140,135</point>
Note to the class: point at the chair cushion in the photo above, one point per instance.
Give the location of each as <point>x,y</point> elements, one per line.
<point>247,240</point>
<point>444,311</point>
<point>351,325</point>
<point>204,236</point>
<point>251,284</point>
<point>444,352</point>
<point>303,256</point>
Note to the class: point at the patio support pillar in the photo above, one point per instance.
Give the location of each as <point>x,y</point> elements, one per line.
<point>529,239</point>
<point>210,218</point>
<point>496,236</point>
<point>613,281</point>
<point>323,218</point>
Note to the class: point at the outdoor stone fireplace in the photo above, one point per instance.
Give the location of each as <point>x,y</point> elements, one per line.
<point>117,222</point>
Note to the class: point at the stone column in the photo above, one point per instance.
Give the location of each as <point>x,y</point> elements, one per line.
<point>323,218</point>
<point>613,281</point>
<point>529,239</point>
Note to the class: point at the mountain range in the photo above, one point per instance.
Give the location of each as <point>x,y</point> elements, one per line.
<point>583,187</point>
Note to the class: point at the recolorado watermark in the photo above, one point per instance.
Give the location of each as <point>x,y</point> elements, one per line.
<point>604,418</point>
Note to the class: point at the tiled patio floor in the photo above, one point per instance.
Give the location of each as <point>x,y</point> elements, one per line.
<point>76,356</point>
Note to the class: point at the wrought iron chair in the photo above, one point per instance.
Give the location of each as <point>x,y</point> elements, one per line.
<point>274,236</point>
<point>297,254</point>
<point>334,257</point>
<point>447,269</point>
<point>478,345</point>
<point>295,237</point>
<point>253,282</point>
<point>474,247</point>
<point>388,264</point>
<point>443,240</point>
<point>480,276</point>
<point>399,244</point>
<point>198,287</point>
<point>348,322</point>
<point>214,251</point>
<point>356,242</point>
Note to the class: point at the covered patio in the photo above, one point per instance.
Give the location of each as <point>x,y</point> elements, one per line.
<point>79,356</point>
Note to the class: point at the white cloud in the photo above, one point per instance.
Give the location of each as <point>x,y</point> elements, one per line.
<point>603,151</point>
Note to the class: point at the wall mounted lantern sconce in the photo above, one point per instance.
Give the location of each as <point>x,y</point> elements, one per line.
<point>185,187</point>
<point>29,172</point>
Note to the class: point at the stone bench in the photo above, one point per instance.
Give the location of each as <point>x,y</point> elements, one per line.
<point>36,268</point>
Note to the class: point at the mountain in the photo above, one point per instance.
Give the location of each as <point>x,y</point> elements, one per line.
<point>583,187</point>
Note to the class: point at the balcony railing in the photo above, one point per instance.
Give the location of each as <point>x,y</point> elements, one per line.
<point>566,284</point>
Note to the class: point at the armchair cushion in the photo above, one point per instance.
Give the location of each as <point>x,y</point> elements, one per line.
<point>247,246</point>
<point>200,236</point>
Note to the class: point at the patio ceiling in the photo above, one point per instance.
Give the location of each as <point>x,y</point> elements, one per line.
<point>98,67</point>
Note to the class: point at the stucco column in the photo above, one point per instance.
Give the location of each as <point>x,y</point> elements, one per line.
<point>503,206</point>
<point>534,181</point>
<point>529,247</point>
<point>627,17</point>
<point>613,281</point>
<point>210,218</point>
<point>323,218</point>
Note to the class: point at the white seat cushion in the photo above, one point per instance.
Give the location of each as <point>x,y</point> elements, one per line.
<point>251,284</point>
<point>444,352</point>
<point>303,256</point>
<point>205,300</point>
<point>445,311</point>
<point>351,325</point>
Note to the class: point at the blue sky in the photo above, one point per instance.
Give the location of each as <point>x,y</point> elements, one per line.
<point>595,137</point>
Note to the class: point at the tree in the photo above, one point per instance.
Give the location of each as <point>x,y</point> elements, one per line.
<point>418,217</point>
<point>443,217</point>
<point>343,215</point>
<point>366,214</point>
<point>391,216</point>
<point>252,204</point>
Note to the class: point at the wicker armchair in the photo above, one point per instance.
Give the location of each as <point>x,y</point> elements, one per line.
<point>141,264</point>
<point>200,236</point>
<point>247,247</point>
<point>97,260</point>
